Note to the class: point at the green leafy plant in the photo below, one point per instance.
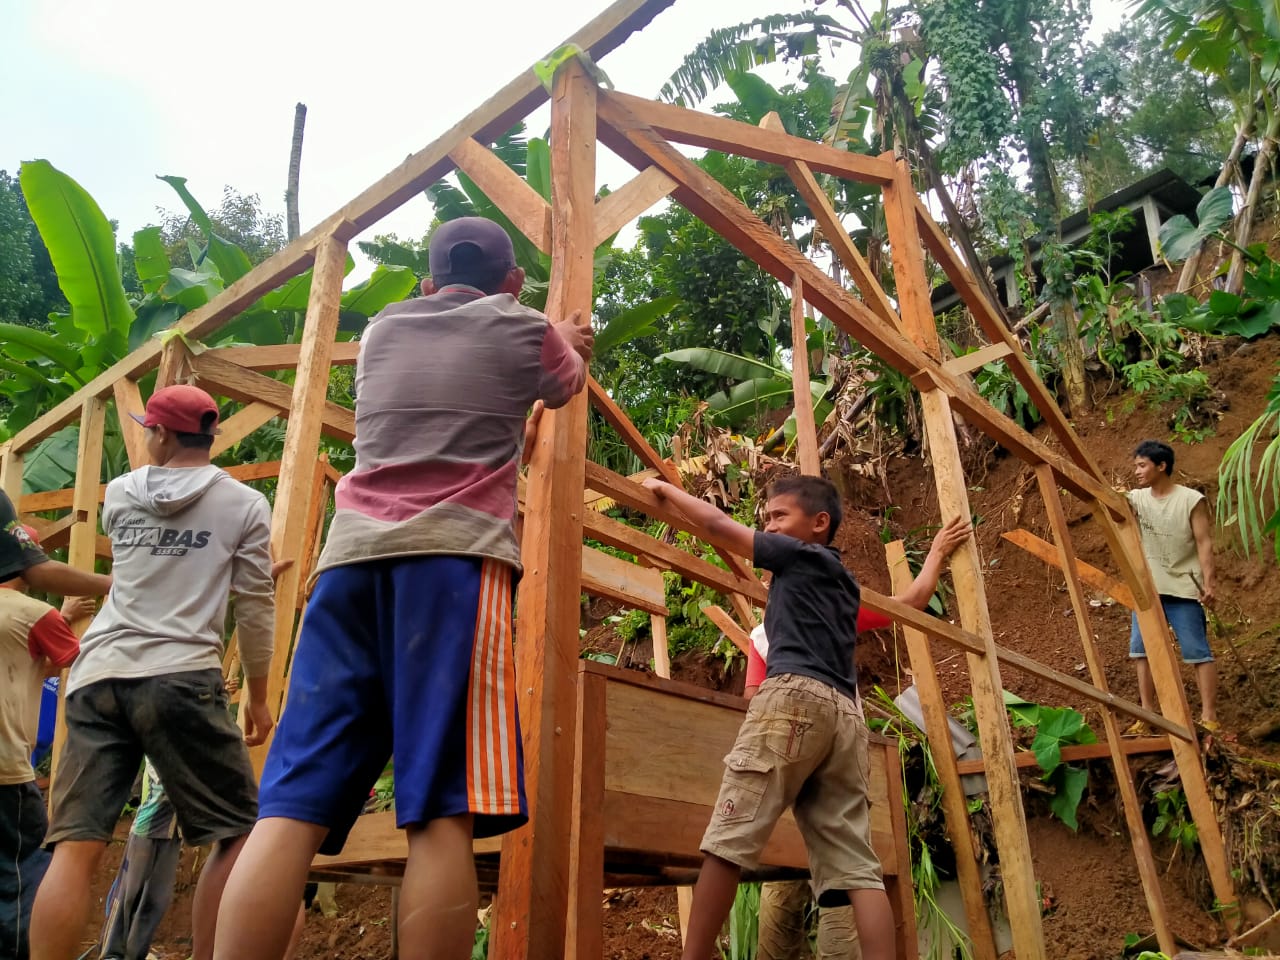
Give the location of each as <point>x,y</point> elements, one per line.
<point>742,927</point>
<point>1249,500</point>
<point>1173,819</point>
<point>1055,728</point>
<point>1180,238</point>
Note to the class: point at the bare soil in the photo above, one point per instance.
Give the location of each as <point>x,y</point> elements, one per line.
<point>1089,878</point>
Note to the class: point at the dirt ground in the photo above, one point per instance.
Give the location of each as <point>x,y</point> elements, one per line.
<point>1089,878</point>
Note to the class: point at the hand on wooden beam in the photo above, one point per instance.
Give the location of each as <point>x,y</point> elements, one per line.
<point>741,538</point>
<point>580,337</point>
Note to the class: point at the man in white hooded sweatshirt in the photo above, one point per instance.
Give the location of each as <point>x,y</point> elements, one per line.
<point>148,680</point>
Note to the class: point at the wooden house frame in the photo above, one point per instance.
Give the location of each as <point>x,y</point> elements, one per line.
<point>584,822</point>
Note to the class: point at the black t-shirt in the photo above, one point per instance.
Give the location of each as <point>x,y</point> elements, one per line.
<point>18,551</point>
<point>811,617</point>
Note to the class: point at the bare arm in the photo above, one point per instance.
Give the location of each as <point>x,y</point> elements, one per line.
<point>945,541</point>
<point>1202,530</point>
<point>53,576</point>
<point>741,539</point>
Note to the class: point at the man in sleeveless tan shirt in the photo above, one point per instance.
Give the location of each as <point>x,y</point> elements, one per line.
<point>1177,538</point>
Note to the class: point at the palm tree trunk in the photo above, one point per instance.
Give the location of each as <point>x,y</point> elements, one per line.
<point>1230,169</point>
<point>1244,219</point>
<point>293,219</point>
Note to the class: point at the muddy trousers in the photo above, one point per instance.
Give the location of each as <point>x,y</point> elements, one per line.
<point>782,925</point>
<point>141,894</point>
<point>22,863</point>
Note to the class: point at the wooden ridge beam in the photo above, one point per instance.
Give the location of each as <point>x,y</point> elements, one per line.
<point>998,332</point>
<point>490,120</point>
<point>1147,871</point>
<point>236,382</point>
<point>707,199</point>
<point>615,210</point>
<point>1091,575</point>
<point>282,356</point>
<point>523,206</point>
<point>732,136</point>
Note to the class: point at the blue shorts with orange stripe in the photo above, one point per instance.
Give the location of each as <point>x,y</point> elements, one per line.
<point>410,656</point>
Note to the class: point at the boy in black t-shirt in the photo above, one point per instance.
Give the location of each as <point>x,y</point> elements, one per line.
<point>803,743</point>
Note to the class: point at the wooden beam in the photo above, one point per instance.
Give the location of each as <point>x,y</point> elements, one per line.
<point>532,904</point>
<point>236,382</point>
<point>307,409</point>
<point>1091,575</point>
<point>1166,672</point>
<point>726,625</point>
<point>806,429</point>
<point>82,552</point>
<point>175,362</point>
<point>617,418</point>
<point>615,210</point>
<point>129,400</point>
<point>997,331</point>
<point>969,362</point>
<point>1147,871</point>
<point>62,499</point>
<point>282,356</point>
<point>898,884</point>
<point>1133,567</point>
<point>241,424</point>
<point>1005,795</point>
<point>11,474</point>
<point>522,205</point>
<point>1075,753</point>
<point>842,244</point>
<point>955,809</point>
<point>584,932</point>
<point>733,136</point>
<point>714,205</point>
<point>494,117</point>
<point>54,534</point>
<point>639,587</point>
<point>665,556</point>
<point>661,651</point>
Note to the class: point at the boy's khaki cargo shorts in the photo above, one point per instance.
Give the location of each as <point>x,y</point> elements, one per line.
<point>804,745</point>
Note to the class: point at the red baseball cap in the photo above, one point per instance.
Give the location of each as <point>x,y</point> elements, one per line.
<point>182,408</point>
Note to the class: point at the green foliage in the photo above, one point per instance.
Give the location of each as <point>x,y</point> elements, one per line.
<point>1180,238</point>
<point>1173,819</point>
<point>743,926</point>
<point>480,949</point>
<point>1249,500</point>
<point>1055,727</point>
<point>28,286</point>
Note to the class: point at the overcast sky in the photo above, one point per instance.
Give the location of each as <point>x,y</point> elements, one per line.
<point>114,93</point>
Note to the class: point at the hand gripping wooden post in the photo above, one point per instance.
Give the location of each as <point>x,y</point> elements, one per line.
<point>1004,791</point>
<point>534,877</point>
<point>298,462</point>
<point>955,810</point>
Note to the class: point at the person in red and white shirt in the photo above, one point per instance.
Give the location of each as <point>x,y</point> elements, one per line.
<point>35,642</point>
<point>782,904</point>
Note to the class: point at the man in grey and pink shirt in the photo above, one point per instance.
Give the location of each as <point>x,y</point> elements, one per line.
<point>407,635</point>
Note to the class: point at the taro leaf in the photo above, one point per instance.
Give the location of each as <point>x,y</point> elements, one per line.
<point>1068,783</point>
<point>154,315</point>
<point>1024,714</point>
<point>1180,238</point>
<point>151,261</point>
<point>1224,304</point>
<point>633,323</point>
<point>1263,283</point>
<point>82,246</point>
<point>232,262</point>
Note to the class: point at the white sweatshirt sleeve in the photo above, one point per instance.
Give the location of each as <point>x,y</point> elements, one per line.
<point>254,591</point>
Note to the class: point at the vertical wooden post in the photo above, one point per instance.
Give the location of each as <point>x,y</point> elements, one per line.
<point>298,462</point>
<point>1004,791</point>
<point>902,901</point>
<point>11,475</point>
<point>534,877</point>
<point>954,809</point>
<point>175,363</point>
<point>584,936</point>
<point>1124,776</point>
<point>129,400</point>
<point>82,553</point>
<point>1126,543</point>
<point>806,429</point>
<point>661,652</point>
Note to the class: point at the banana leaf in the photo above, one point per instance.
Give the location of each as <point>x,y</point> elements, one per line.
<point>385,285</point>
<point>724,364</point>
<point>232,262</point>
<point>150,259</point>
<point>633,323</point>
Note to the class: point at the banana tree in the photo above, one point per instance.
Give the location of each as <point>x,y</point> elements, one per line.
<point>1249,499</point>
<point>40,368</point>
